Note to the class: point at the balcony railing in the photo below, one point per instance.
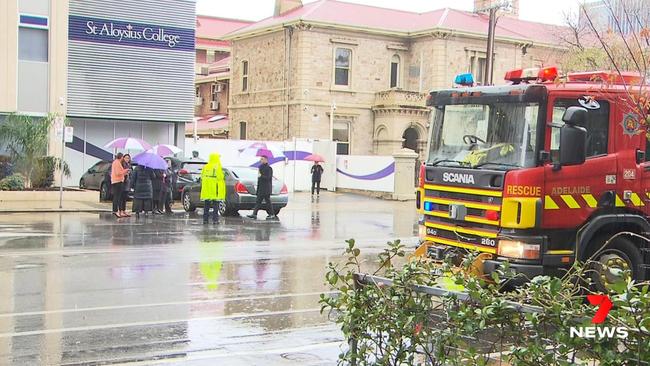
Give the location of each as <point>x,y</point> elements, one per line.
<point>400,98</point>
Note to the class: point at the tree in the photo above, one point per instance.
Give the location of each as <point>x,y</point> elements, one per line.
<point>26,140</point>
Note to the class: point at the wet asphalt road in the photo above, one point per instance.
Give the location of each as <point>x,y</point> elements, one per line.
<point>91,289</point>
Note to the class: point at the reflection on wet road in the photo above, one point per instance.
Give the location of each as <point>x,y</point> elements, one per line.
<point>88,289</point>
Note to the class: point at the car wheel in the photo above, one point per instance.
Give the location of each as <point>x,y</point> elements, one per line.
<point>82,184</point>
<point>223,208</point>
<point>187,203</point>
<point>619,261</point>
<point>104,195</point>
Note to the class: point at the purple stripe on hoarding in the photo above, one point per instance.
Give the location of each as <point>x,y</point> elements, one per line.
<point>290,154</point>
<point>374,176</point>
<point>33,20</point>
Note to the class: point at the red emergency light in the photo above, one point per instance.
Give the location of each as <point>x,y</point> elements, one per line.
<point>533,73</point>
<point>613,77</point>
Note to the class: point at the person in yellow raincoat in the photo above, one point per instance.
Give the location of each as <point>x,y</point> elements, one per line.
<point>213,188</point>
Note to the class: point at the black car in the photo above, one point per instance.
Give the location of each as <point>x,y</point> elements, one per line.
<point>98,178</point>
<point>187,171</point>
<point>95,177</point>
<point>241,186</point>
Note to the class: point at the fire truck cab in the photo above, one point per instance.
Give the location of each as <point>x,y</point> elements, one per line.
<point>540,173</point>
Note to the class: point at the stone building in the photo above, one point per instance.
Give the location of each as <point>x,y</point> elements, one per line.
<point>359,74</point>
<point>212,79</point>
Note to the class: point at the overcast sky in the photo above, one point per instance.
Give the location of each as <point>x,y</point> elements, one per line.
<point>545,11</point>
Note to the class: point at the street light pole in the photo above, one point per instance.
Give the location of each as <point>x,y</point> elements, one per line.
<point>332,109</point>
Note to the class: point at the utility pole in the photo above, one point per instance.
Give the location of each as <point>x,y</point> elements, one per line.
<point>492,24</point>
<point>489,59</point>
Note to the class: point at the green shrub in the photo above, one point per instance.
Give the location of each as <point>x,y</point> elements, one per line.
<point>15,182</point>
<point>472,320</point>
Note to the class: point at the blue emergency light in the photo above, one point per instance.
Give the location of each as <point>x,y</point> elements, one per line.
<point>428,206</point>
<point>464,79</point>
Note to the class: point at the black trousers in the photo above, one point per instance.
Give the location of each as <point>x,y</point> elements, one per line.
<point>166,200</point>
<point>258,204</point>
<point>315,185</point>
<point>117,189</point>
<point>210,205</point>
<point>123,200</point>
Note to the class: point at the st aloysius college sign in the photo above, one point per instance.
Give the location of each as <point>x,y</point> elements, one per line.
<point>130,33</point>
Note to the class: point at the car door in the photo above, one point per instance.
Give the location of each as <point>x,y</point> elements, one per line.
<point>94,176</point>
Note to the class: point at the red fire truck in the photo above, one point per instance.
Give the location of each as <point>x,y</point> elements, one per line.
<point>540,173</point>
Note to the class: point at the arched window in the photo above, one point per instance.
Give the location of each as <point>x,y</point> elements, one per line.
<point>242,130</point>
<point>411,137</point>
<point>394,71</point>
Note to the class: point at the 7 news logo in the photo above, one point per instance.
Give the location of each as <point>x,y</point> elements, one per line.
<point>604,305</point>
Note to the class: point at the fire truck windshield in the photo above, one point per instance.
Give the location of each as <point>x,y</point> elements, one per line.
<point>501,135</point>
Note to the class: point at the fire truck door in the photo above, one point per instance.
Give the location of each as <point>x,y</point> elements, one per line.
<point>571,193</point>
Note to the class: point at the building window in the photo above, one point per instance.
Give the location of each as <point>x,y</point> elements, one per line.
<point>210,56</point>
<point>214,91</point>
<point>32,44</point>
<point>477,67</point>
<point>197,92</point>
<point>244,78</point>
<point>341,135</point>
<point>342,66</point>
<point>394,72</point>
<point>242,130</point>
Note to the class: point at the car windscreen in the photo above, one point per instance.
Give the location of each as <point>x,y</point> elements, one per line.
<point>193,168</point>
<point>245,173</point>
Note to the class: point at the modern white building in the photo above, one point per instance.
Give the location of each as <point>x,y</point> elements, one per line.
<point>113,67</point>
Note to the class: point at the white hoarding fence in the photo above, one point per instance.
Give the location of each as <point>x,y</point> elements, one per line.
<point>367,173</point>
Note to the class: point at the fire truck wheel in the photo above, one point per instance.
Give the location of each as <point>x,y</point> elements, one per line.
<point>620,260</point>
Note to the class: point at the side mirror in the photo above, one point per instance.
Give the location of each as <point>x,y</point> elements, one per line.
<point>573,143</point>
<point>576,116</point>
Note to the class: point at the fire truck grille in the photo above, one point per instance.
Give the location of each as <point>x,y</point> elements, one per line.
<point>462,224</point>
<point>475,229</point>
<point>463,197</point>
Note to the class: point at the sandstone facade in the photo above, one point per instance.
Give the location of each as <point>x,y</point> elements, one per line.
<point>291,86</point>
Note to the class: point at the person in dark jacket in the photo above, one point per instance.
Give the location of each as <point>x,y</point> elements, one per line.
<point>143,194</point>
<point>126,164</point>
<point>166,189</point>
<point>264,189</point>
<point>156,183</point>
<point>316,174</point>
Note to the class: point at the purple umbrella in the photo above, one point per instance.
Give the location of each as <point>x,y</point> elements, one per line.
<point>128,143</point>
<point>150,160</point>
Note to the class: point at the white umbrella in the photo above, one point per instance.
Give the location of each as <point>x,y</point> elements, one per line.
<point>128,143</point>
<point>165,150</point>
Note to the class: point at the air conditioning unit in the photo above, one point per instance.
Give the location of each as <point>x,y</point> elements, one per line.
<point>214,105</point>
<point>198,101</point>
<point>205,70</point>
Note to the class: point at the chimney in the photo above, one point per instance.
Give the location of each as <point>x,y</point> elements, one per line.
<point>283,6</point>
<point>482,5</point>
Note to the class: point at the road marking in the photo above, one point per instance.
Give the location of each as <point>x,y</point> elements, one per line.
<point>157,322</point>
<point>132,306</point>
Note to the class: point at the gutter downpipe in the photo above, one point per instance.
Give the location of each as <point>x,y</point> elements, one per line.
<point>288,38</point>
